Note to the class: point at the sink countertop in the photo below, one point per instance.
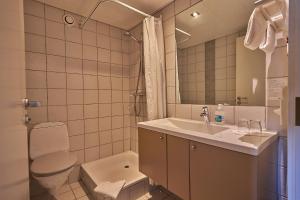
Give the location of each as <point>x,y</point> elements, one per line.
<point>228,138</point>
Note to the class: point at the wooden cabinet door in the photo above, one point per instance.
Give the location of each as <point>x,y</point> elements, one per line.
<point>153,155</point>
<point>178,166</point>
<point>220,174</point>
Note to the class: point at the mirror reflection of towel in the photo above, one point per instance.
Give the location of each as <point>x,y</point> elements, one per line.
<point>256,30</point>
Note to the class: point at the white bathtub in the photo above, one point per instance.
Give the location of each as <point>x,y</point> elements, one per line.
<point>122,166</point>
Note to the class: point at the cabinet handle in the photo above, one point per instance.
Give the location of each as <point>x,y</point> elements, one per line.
<point>161,137</point>
<point>194,147</point>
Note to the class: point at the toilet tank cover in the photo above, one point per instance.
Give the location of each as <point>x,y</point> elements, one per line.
<point>48,138</point>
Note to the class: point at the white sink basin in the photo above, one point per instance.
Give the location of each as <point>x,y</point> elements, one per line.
<point>196,126</point>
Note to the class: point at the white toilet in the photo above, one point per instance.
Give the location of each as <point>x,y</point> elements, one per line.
<point>49,150</point>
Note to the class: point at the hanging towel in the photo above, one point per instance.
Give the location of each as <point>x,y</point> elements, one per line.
<point>269,43</point>
<point>256,30</point>
<point>109,189</point>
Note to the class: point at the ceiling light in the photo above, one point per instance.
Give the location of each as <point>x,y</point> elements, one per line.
<point>195,14</point>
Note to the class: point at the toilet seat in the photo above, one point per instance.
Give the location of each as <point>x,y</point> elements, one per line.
<point>53,163</point>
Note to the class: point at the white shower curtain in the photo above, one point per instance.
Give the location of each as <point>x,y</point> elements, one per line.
<point>154,59</point>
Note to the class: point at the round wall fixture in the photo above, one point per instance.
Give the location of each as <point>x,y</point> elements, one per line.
<point>69,20</point>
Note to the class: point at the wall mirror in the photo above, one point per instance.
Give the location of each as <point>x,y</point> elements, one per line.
<point>213,66</point>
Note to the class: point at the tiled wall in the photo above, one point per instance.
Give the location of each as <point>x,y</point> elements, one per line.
<point>81,77</point>
<point>276,79</point>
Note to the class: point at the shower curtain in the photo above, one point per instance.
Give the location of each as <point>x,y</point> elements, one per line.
<point>154,60</point>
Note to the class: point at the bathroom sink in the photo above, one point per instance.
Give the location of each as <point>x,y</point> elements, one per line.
<point>196,126</point>
<point>255,138</point>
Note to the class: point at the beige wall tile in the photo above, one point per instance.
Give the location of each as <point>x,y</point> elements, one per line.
<point>74,81</point>
<point>74,65</point>
<point>34,24</point>
<point>76,127</point>
<point>105,123</point>
<point>55,30</point>
<point>56,63</point>
<point>91,140</point>
<point>103,41</point>
<point>91,25</point>
<point>118,147</point>
<point>75,112</point>
<point>90,96</point>
<point>57,113</point>
<point>91,125</point>
<point>35,43</point>
<point>117,109</point>
<point>76,142</point>
<point>91,111</point>
<point>35,61</point>
<point>56,80</point>
<point>89,38</point>
<point>104,82</point>
<point>184,111</point>
<point>89,52</point>
<point>103,55</point>
<point>53,13</point>
<point>73,34</point>
<point>105,96</point>
<point>117,135</point>
<point>35,79</point>
<point>90,67</point>
<point>55,47</point>
<point>34,8</point>
<point>105,110</point>
<point>105,150</point>
<point>57,97</point>
<point>90,82</point>
<point>102,28</point>
<point>74,97</point>
<point>105,137</point>
<point>92,154</point>
<point>117,122</point>
<point>73,50</point>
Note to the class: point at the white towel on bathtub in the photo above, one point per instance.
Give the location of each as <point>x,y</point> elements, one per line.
<point>109,189</point>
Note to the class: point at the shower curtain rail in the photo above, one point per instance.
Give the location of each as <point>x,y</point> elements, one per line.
<point>115,1</point>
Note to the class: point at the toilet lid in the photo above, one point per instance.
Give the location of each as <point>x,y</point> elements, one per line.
<point>53,163</point>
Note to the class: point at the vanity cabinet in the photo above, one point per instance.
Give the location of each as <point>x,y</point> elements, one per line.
<point>217,173</point>
<point>196,171</point>
<point>178,166</point>
<point>153,155</point>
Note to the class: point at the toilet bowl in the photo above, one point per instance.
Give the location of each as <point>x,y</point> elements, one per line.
<point>52,162</point>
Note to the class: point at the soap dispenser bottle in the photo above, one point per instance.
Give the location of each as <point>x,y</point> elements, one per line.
<point>220,114</point>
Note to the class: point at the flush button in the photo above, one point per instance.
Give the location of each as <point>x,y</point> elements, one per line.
<point>297,117</point>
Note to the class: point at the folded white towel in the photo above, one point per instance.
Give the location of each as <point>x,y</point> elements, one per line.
<point>269,43</point>
<point>256,30</point>
<point>109,189</point>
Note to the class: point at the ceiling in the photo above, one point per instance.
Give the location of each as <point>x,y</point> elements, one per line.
<point>110,12</point>
<point>217,18</point>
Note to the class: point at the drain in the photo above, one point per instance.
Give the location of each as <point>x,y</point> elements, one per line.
<point>126,166</point>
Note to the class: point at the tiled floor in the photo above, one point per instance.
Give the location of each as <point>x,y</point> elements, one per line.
<point>77,191</point>
<point>74,191</point>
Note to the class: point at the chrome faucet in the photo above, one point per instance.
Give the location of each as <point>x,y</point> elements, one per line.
<point>205,114</point>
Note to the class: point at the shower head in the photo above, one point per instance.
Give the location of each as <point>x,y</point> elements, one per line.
<point>127,33</point>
